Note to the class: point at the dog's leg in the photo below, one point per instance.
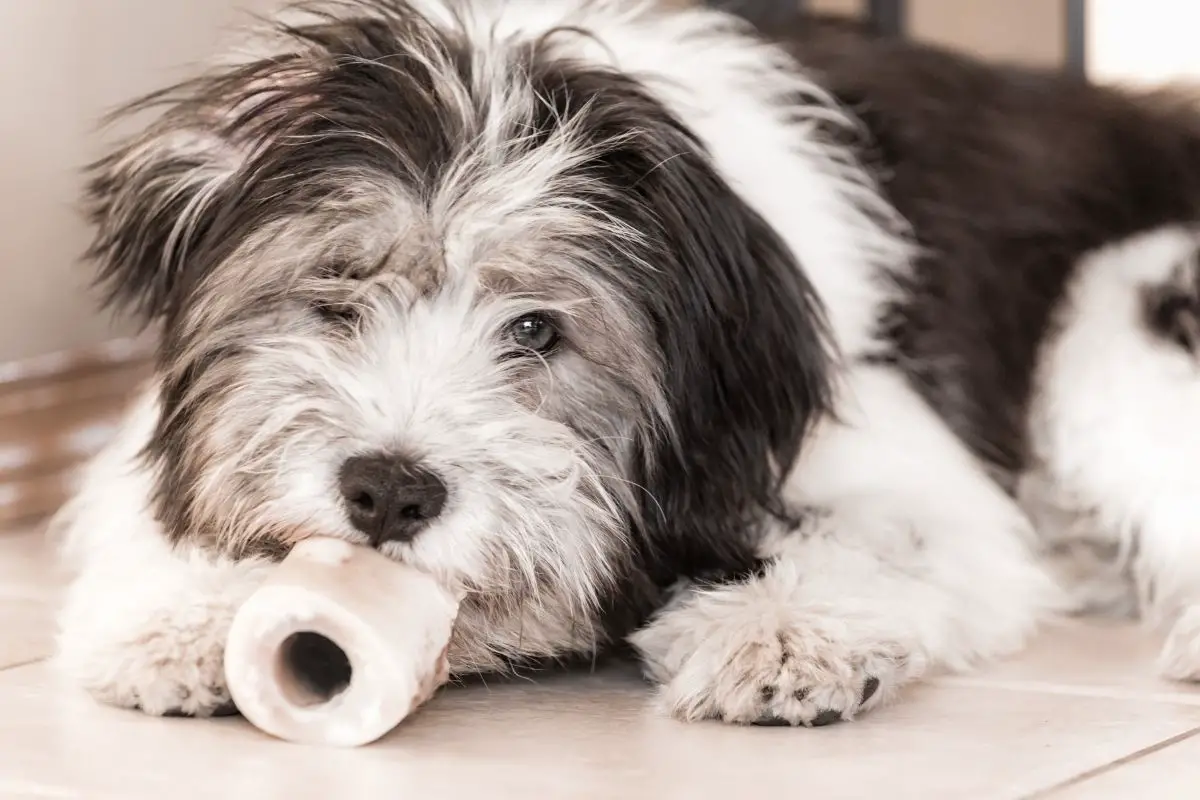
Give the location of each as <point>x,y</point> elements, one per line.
<point>1161,485</point>
<point>1165,563</point>
<point>912,558</point>
<point>143,623</point>
<point>1116,424</point>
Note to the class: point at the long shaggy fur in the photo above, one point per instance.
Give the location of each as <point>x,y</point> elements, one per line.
<point>798,362</point>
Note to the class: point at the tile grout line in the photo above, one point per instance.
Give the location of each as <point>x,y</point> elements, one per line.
<point>1103,769</point>
<point>26,663</point>
<point>1071,690</point>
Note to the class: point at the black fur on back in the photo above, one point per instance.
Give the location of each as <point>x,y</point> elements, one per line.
<point>1008,176</point>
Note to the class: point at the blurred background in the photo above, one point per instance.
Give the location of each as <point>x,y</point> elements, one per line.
<point>64,366</point>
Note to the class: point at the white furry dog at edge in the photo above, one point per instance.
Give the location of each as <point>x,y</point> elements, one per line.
<point>760,351</point>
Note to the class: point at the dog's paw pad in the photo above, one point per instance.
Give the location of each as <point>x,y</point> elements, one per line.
<point>869,690</point>
<point>821,718</point>
<point>773,722</point>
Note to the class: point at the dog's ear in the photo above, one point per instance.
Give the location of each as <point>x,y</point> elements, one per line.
<point>742,335</point>
<point>152,199</point>
<point>163,196</point>
<point>747,362</point>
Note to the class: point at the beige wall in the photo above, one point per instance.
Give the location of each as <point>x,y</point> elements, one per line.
<point>1026,31</point>
<point>62,63</point>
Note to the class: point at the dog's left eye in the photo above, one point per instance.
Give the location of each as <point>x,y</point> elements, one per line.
<point>534,332</point>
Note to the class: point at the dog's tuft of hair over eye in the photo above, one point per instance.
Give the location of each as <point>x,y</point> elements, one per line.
<point>335,303</point>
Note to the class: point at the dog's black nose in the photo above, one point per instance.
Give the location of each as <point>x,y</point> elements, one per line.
<point>390,498</point>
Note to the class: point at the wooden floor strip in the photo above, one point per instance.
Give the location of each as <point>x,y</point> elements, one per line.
<point>57,411</point>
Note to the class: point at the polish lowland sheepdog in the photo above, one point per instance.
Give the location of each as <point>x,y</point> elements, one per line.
<point>803,362</point>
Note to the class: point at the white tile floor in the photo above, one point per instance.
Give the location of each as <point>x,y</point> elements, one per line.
<point>1078,716</point>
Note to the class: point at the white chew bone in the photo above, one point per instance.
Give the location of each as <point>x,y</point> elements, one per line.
<point>339,645</point>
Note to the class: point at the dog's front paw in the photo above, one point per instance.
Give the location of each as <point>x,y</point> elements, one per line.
<point>166,664</point>
<point>724,655</point>
<point>1180,657</point>
<point>158,646</point>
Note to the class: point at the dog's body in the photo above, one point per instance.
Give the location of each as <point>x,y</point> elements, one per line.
<point>606,316</point>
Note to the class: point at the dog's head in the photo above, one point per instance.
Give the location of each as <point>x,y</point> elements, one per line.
<point>485,306</point>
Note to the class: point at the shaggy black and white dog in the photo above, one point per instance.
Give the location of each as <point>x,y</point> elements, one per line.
<point>766,353</point>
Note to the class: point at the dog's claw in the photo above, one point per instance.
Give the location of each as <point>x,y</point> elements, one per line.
<point>827,717</point>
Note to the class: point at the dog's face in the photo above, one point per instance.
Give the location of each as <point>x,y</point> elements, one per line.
<point>477,303</point>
